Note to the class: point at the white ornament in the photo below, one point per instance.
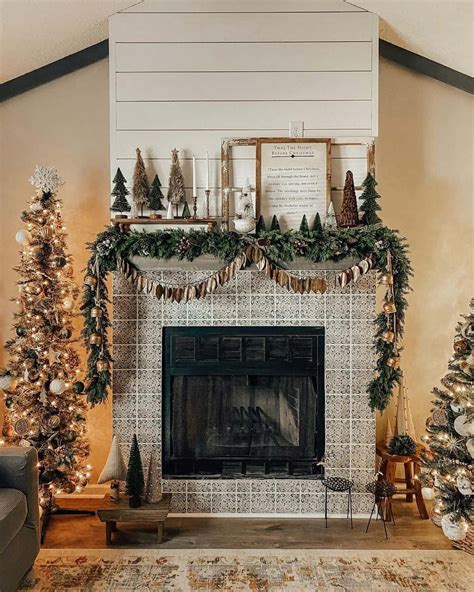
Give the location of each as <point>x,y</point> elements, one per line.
<point>23,237</point>
<point>46,179</point>
<point>456,407</point>
<point>455,530</point>
<point>5,382</point>
<point>57,386</point>
<point>36,206</point>
<point>464,484</point>
<point>244,225</point>
<point>467,330</point>
<point>428,493</point>
<point>68,303</point>
<point>470,447</point>
<point>464,426</point>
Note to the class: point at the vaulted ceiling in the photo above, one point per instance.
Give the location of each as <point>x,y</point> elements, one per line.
<point>36,32</point>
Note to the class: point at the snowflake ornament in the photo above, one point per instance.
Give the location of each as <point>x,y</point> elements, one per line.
<point>46,179</point>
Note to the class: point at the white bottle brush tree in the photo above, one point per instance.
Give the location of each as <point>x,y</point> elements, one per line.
<point>43,394</point>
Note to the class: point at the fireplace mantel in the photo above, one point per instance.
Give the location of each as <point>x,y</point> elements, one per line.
<point>211,263</point>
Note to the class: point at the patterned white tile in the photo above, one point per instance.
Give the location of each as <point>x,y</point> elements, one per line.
<point>363,357</point>
<point>178,503</point>
<point>121,286</point>
<point>311,486</point>
<point>124,356</point>
<point>337,455</point>
<point>263,307</point>
<point>312,306</point>
<point>360,407</point>
<point>124,307</point>
<point>224,503</point>
<point>362,432</point>
<point>338,406</point>
<point>287,307</point>
<point>359,381</point>
<point>224,307</point>
<point>362,331</point>
<point>199,503</point>
<point>288,503</point>
<point>149,308</point>
<point>338,306</point>
<point>312,504</point>
<point>149,381</point>
<point>363,306</point>
<point>149,431</point>
<point>338,331</point>
<point>124,381</point>
<point>337,431</point>
<point>365,285</point>
<point>125,406</point>
<point>338,357</point>
<point>338,381</point>
<point>363,456</point>
<point>243,503</point>
<point>124,332</point>
<point>263,503</point>
<point>149,406</point>
<point>124,430</point>
<point>149,356</point>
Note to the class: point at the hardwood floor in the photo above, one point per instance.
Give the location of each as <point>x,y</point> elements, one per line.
<point>87,532</point>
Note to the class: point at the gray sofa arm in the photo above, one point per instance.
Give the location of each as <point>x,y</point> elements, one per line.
<point>18,470</point>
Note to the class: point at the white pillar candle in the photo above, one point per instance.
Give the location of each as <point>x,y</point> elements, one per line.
<point>207,171</point>
<point>194,177</point>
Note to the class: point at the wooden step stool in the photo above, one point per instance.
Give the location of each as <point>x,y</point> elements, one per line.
<point>411,467</point>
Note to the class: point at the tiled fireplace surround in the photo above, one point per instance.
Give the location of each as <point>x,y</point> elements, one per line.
<point>252,299</point>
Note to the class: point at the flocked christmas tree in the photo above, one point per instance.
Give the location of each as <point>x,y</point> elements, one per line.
<point>156,195</point>
<point>141,187</point>
<point>331,220</point>
<point>349,215</point>
<point>120,192</point>
<point>369,198</point>
<point>176,188</point>
<point>42,390</point>
<point>450,437</point>
<point>135,479</point>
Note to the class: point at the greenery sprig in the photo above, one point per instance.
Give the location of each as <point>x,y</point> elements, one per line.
<point>317,245</point>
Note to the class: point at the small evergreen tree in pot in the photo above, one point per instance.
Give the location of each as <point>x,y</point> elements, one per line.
<point>135,479</point>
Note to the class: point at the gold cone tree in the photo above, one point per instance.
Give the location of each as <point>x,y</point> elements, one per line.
<point>42,390</point>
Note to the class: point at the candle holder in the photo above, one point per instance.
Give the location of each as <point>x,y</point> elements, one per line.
<point>195,206</point>
<point>208,194</point>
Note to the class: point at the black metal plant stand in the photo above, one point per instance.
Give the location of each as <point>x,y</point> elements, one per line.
<point>338,484</point>
<point>53,510</point>
<point>383,493</point>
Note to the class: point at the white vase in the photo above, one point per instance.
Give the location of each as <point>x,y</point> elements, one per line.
<point>244,225</point>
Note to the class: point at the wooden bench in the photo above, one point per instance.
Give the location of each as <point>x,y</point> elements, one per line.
<point>113,512</point>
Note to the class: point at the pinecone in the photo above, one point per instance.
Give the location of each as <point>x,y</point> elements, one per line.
<point>184,245</point>
<point>300,246</point>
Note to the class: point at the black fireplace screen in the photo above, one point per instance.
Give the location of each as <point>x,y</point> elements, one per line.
<point>243,401</point>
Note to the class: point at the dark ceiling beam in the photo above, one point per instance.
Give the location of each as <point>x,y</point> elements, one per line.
<point>48,73</point>
<point>100,50</point>
<point>425,66</point>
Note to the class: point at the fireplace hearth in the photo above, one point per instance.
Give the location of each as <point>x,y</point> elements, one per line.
<point>243,402</point>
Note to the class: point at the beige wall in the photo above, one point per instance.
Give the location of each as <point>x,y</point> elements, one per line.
<point>424,158</point>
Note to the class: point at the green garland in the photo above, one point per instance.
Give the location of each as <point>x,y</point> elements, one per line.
<point>316,246</point>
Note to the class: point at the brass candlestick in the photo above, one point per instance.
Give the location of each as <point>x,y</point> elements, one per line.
<point>208,194</point>
<point>195,206</point>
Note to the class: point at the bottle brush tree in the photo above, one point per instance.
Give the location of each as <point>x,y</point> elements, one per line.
<point>317,226</point>
<point>44,398</point>
<point>120,192</point>
<point>261,226</point>
<point>369,198</point>
<point>135,480</point>
<point>349,215</point>
<point>141,187</point>
<point>304,228</point>
<point>275,225</point>
<point>156,195</point>
<point>176,187</point>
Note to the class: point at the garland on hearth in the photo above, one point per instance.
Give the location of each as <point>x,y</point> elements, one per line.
<point>374,246</point>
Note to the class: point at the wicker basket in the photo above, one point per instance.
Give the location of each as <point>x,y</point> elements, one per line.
<point>467,544</point>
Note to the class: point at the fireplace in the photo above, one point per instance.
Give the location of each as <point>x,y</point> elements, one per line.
<point>243,402</point>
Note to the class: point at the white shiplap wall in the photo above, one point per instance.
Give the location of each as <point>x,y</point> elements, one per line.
<point>187,73</point>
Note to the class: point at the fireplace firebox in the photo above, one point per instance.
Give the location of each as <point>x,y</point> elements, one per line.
<point>243,402</point>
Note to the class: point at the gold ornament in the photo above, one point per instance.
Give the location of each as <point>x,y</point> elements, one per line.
<point>21,427</point>
<point>54,421</point>
<point>461,346</point>
<point>68,270</point>
<point>39,336</point>
<point>394,361</point>
<point>439,417</point>
<point>46,232</point>
<point>91,281</point>
<point>389,307</point>
<point>388,336</point>
<point>95,339</point>
<point>102,365</point>
<point>69,487</point>
<point>24,443</point>
<point>386,279</point>
<point>96,312</point>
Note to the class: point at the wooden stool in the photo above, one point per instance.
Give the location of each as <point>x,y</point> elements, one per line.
<point>411,466</point>
<point>112,512</point>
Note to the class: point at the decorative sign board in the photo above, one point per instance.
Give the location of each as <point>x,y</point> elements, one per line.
<point>293,178</point>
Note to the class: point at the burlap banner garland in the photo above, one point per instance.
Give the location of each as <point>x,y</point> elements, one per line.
<point>198,290</point>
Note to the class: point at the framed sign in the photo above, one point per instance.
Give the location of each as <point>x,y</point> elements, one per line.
<point>293,178</point>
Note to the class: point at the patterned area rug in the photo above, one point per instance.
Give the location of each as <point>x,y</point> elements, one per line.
<point>250,570</point>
